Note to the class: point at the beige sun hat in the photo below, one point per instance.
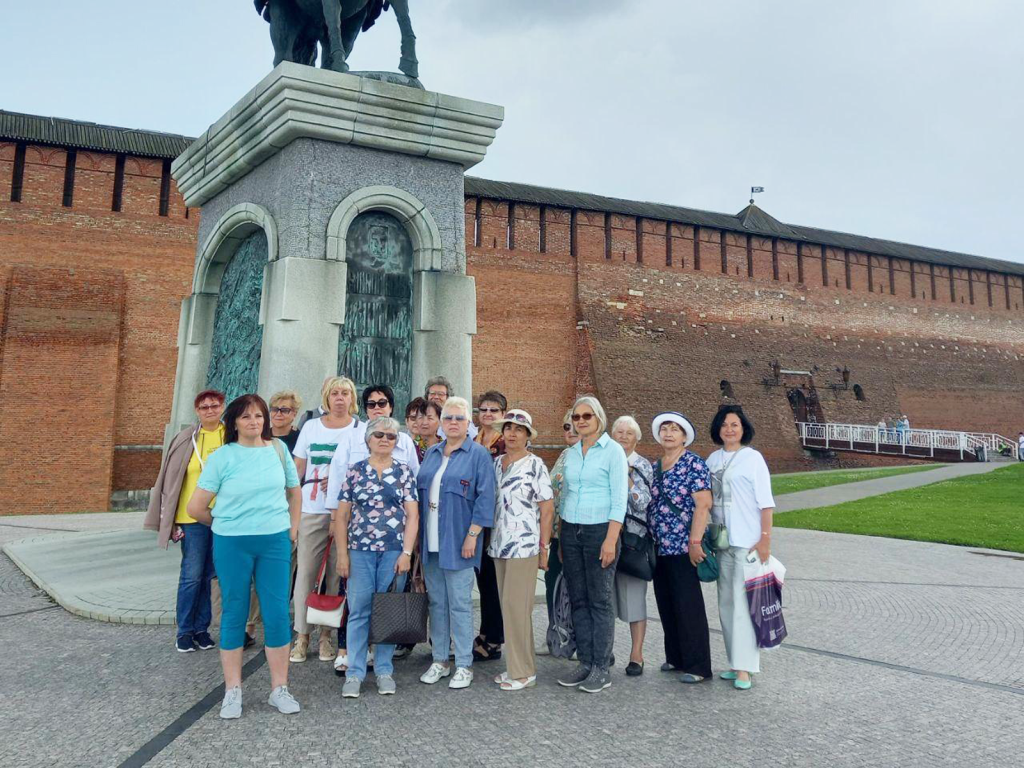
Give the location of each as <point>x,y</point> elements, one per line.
<point>520,417</point>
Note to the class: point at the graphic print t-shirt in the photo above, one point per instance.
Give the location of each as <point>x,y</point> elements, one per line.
<point>317,444</point>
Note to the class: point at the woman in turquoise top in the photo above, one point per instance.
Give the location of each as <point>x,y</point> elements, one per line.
<point>592,507</point>
<point>254,522</point>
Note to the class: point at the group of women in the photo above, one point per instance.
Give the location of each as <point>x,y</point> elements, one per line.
<point>465,504</point>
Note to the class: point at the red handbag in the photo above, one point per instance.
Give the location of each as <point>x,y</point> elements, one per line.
<point>324,610</point>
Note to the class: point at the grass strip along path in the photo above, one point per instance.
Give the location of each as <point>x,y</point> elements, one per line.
<point>806,481</point>
<point>977,511</point>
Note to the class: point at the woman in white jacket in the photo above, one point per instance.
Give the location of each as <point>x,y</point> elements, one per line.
<point>741,519</point>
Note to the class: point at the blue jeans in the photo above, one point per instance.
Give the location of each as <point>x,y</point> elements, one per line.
<point>590,592</point>
<point>242,561</point>
<point>369,572</point>
<point>193,612</point>
<point>450,594</point>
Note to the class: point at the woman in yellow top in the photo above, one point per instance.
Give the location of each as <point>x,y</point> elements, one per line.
<point>184,461</point>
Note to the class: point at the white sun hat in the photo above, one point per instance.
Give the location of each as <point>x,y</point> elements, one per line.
<point>520,417</point>
<point>676,418</point>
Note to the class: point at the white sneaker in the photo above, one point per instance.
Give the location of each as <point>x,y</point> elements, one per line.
<point>463,677</point>
<point>231,707</point>
<point>283,700</point>
<point>435,673</point>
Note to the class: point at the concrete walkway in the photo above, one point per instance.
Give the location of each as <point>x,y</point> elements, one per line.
<point>839,494</point>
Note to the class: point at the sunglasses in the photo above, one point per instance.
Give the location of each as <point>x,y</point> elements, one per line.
<point>489,410</point>
<point>389,436</point>
<point>208,407</point>
<point>453,417</point>
<point>282,411</point>
<point>566,427</point>
<point>582,417</point>
<point>377,403</point>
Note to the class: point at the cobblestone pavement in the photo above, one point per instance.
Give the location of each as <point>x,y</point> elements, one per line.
<point>900,653</point>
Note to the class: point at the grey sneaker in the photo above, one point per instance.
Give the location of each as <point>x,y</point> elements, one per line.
<point>283,700</point>
<point>385,685</point>
<point>350,690</point>
<point>599,680</point>
<point>231,707</point>
<point>575,677</point>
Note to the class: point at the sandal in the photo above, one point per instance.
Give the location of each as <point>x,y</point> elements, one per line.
<point>511,684</point>
<point>484,651</point>
<point>341,664</point>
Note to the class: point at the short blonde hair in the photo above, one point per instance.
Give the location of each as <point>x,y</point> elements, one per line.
<point>630,422</point>
<point>595,406</point>
<point>345,383</point>
<point>287,394</point>
<point>453,403</point>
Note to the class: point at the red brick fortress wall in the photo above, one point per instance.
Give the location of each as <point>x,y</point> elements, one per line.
<point>112,386</point>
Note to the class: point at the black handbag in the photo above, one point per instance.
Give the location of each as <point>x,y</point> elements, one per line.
<point>637,555</point>
<point>400,618</point>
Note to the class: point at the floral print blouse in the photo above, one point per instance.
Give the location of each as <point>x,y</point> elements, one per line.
<point>671,509</point>
<point>377,523</point>
<point>520,490</point>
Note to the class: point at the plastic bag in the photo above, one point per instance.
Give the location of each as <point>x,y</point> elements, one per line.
<point>561,636</point>
<point>763,583</point>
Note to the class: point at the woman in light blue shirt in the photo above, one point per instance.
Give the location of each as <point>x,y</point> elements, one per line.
<point>254,522</point>
<point>592,508</point>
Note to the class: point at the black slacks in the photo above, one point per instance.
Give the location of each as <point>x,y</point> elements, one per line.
<point>681,608</point>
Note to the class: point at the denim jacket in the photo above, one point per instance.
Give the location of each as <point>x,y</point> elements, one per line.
<point>467,497</point>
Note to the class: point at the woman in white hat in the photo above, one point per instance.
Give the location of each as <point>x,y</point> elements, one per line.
<point>520,542</point>
<point>677,517</point>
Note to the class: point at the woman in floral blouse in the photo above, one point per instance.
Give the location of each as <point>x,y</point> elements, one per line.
<point>677,517</point>
<point>520,541</point>
<point>375,528</point>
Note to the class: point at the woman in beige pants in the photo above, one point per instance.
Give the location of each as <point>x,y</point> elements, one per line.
<point>520,540</point>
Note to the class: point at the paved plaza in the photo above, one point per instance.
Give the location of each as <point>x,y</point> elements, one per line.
<point>900,653</point>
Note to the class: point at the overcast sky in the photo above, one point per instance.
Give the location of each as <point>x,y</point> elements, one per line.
<point>891,118</point>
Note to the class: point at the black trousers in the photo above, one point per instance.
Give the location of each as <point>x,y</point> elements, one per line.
<point>492,627</point>
<point>681,608</point>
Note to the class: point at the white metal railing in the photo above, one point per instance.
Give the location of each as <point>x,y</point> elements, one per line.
<point>894,441</point>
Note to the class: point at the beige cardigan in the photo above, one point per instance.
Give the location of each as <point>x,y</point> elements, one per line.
<point>163,499</point>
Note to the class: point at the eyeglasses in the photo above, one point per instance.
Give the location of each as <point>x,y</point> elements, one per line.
<point>453,417</point>
<point>435,393</point>
<point>283,411</point>
<point>377,403</point>
<point>208,407</point>
<point>489,410</point>
<point>389,436</point>
<point>582,417</point>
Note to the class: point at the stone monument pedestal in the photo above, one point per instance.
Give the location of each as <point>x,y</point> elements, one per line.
<point>335,203</point>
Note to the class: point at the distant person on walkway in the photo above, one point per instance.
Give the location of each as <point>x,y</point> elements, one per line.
<point>902,427</point>
<point>254,519</point>
<point>488,642</point>
<point>438,390</point>
<point>557,481</point>
<point>1020,446</point>
<point>743,503</point>
<point>285,407</point>
<point>456,488</point>
<point>631,592</point>
<point>881,426</point>
<point>596,488</point>
<point>187,454</point>
<point>520,542</point>
<point>318,440</point>
<point>677,517</point>
<point>375,530</point>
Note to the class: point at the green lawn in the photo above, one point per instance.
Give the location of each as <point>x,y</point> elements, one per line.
<point>978,511</point>
<point>805,481</point>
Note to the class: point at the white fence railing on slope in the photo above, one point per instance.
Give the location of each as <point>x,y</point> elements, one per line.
<point>892,441</point>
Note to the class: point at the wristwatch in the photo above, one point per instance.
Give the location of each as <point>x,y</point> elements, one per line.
<point>546,547</point>
<point>474,535</point>
<point>407,553</point>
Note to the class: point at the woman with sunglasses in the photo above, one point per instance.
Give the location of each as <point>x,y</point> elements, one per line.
<point>285,407</point>
<point>488,642</point>
<point>375,528</point>
<point>456,484</point>
<point>594,507</point>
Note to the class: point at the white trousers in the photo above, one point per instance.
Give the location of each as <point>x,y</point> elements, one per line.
<point>734,612</point>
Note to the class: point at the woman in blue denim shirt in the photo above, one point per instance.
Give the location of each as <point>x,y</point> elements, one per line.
<point>456,491</point>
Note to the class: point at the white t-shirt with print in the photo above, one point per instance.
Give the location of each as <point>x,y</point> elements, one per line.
<point>317,444</point>
<point>750,491</point>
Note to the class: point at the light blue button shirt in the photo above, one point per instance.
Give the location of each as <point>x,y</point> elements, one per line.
<point>596,485</point>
